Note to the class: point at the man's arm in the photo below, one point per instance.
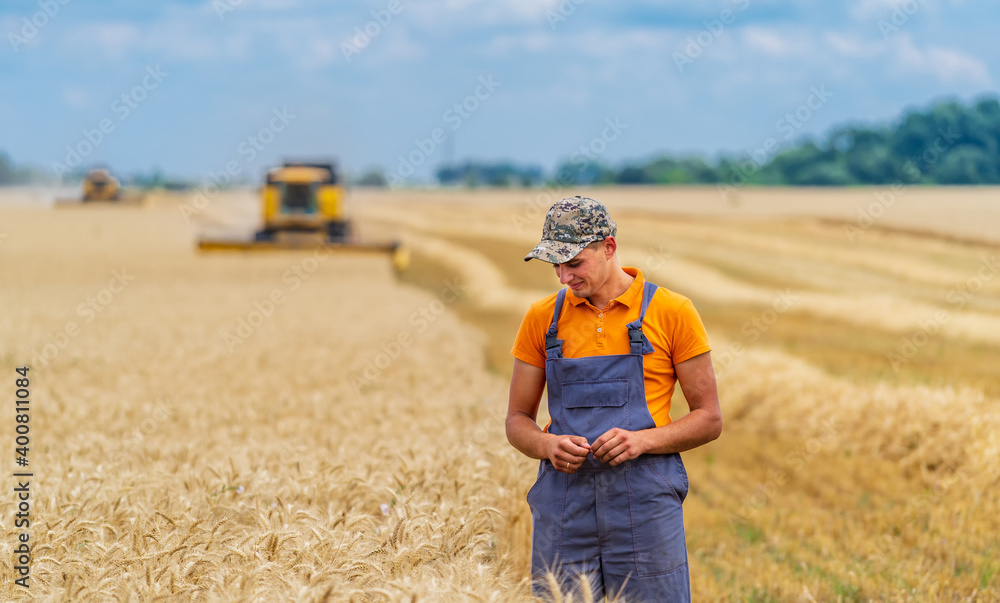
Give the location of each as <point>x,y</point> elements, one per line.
<point>565,452</point>
<point>700,426</point>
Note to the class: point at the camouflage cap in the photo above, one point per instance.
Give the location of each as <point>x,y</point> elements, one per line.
<point>572,224</point>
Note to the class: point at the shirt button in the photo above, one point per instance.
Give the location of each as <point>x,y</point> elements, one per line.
<point>600,315</point>
<point>598,329</point>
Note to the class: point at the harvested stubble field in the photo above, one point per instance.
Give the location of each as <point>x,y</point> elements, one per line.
<point>349,445</point>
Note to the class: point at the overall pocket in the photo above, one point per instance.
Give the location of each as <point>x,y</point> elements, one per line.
<point>657,519</point>
<point>682,491</point>
<point>538,480</point>
<point>590,408</point>
<point>546,498</point>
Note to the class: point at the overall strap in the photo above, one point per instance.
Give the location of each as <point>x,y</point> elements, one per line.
<point>637,341</point>
<point>553,345</point>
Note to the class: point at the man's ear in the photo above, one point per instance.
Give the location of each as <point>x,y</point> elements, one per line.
<point>610,246</point>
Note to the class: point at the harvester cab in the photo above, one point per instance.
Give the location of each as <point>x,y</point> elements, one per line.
<point>304,198</point>
<point>99,185</point>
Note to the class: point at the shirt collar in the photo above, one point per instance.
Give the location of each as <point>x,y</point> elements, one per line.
<point>631,297</point>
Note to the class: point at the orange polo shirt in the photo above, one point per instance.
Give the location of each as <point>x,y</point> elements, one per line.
<point>672,326</point>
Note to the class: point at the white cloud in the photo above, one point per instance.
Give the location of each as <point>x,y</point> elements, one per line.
<point>868,10</point>
<point>632,42</point>
<point>176,41</point>
<point>853,47</point>
<point>113,40</point>
<point>523,11</point>
<point>903,57</point>
<point>238,46</point>
<point>505,45</point>
<point>621,49</point>
<point>10,23</point>
<point>775,43</point>
<point>279,4</point>
<point>948,65</point>
<point>196,34</point>
<point>392,47</point>
<point>873,10</point>
<point>449,16</point>
<point>76,97</point>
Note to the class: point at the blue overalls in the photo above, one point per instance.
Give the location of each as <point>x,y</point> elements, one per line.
<point>620,525</point>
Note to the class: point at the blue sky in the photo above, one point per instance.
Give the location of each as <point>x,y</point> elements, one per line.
<point>674,76</point>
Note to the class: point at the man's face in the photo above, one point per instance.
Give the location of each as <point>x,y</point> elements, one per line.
<point>585,273</point>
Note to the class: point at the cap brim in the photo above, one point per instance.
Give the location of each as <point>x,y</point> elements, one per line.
<point>555,252</point>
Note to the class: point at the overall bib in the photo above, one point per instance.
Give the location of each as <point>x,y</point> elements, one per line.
<point>622,526</point>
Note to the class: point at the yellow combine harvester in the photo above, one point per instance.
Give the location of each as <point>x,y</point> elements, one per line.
<point>303,206</point>
<point>99,185</point>
<point>101,188</point>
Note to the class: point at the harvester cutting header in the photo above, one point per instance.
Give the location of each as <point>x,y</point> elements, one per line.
<point>303,206</point>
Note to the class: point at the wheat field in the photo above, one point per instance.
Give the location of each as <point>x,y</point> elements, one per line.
<point>311,427</point>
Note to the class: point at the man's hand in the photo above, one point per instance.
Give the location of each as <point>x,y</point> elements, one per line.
<point>616,446</point>
<point>567,452</point>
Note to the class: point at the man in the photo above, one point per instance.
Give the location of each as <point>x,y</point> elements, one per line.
<point>607,501</point>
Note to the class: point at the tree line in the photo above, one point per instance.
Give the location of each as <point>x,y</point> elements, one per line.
<point>948,143</point>
<point>12,174</point>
